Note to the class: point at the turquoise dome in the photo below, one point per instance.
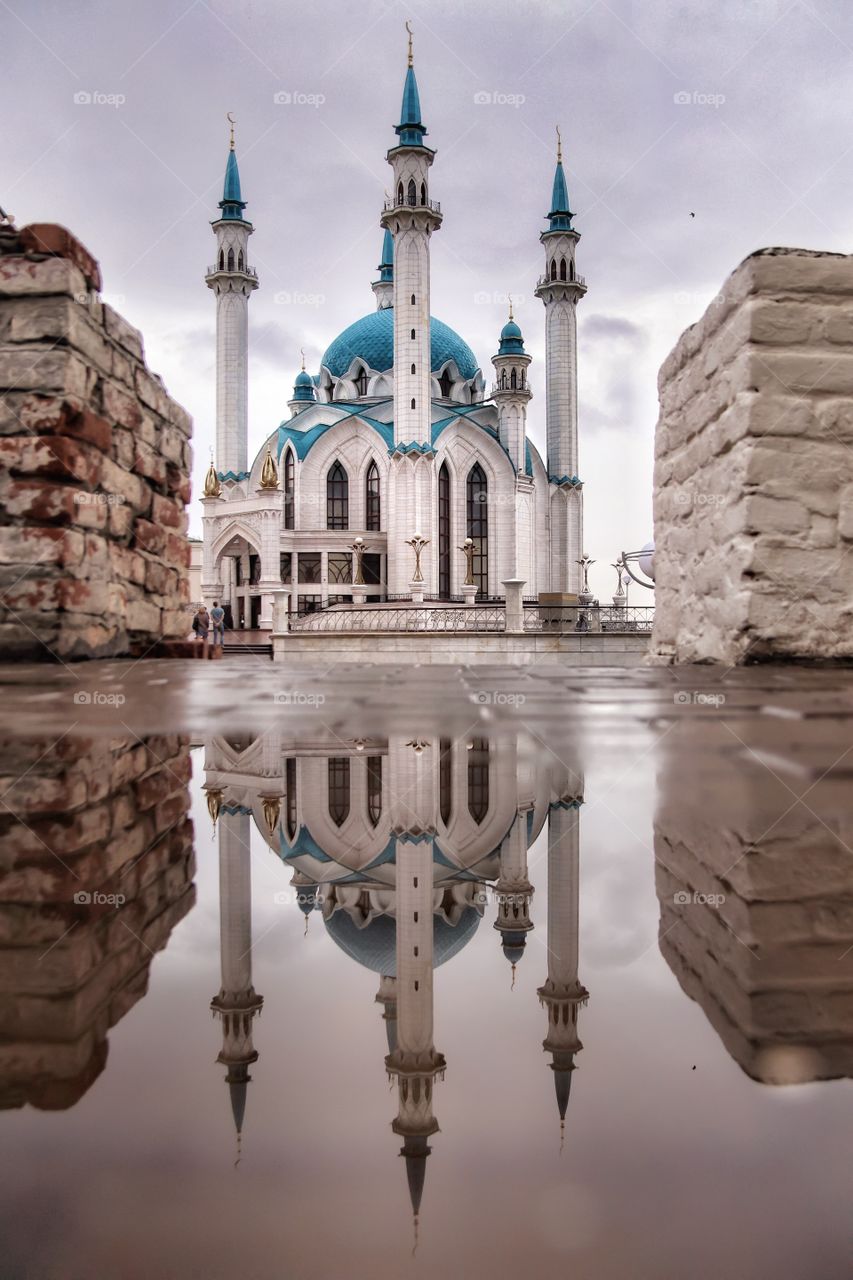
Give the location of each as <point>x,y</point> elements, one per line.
<point>375,946</point>
<point>511,343</point>
<point>371,339</point>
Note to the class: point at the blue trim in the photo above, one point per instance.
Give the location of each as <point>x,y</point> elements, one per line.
<point>574,481</point>
<point>388,854</point>
<point>304,844</point>
<point>233,475</point>
<point>565,804</point>
<point>236,809</point>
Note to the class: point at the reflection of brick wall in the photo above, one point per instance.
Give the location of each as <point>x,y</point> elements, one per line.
<point>92,817</point>
<point>94,460</point>
<point>754,468</point>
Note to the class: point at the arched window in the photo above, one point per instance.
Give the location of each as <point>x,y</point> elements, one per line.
<point>230,259</point>
<point>413,403</point>
<point>445,779</point>
<point>445,385</point>
<point>361,382</point>
<point>513,380</point>
<point>290,798</point>
<point>339,789</point>
<point>372,501</point>
<point>221,259</point>
<point>289,490</point>
<point>412,193</point>
<point>478,526</point>
<point>553,268</point>
<point>240,260</point>
<point>562,268</point>
<point>478,779</point>
<point>503,379</point>
<point>413,333</point>
<point>423,193</point>
<point>444,533</point>
<point>571,269</point>
<point>374,789</point>
<point>413,299</point>
<point>399,193</point>
<point>413,368</point>
<point>521,381</point>
<point>337,498</point>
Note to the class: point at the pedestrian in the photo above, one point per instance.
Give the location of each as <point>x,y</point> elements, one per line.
<point>203,620</point>
<point>217,617</point>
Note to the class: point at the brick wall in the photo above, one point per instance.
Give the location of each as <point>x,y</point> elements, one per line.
<point>754,468</point>
<point>100,818</point>
<point>94,465</point>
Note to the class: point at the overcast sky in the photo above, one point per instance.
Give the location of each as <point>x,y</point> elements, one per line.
<point>669,194</point>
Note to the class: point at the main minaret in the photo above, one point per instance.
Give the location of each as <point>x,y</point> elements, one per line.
<point>562,993</point>
<point>560,289</point>
<point>232,280</point>
<point>411,217</point>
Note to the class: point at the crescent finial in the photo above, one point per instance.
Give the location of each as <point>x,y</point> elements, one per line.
<point>559,146</point>
<point>409,29</point>
<point>229,116</point>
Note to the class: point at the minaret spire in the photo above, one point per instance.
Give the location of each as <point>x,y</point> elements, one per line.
<point>411,56</point>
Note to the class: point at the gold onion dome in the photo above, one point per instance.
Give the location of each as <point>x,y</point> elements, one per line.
<point>269,472</point>
<point>211,482</point>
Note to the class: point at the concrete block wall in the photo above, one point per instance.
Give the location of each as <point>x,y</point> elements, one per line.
<point>94,465</point>
<point>754,469</point>
<point>86,822</point>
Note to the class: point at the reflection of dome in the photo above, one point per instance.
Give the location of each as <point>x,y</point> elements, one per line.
<point>375,946</point>
<point>371,339</point>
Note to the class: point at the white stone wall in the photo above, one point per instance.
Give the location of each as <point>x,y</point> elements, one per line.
<point>754,468</point>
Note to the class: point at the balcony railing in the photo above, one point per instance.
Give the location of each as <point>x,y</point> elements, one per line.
<point>232,271</point>
<point>578,618</point>
<point>478,619</point>
<point>580,280</point>
<point>391,205</point>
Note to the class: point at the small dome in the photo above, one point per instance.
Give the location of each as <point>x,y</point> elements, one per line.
<point>303,387</point>
<point>510,330</point>
<point>512,343</point>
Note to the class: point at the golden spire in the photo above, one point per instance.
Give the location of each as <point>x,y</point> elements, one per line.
<point>559,147</point>
<point>302,353</point>
<point>239,1148</point>
<point>411,58</point>
<point>229,116</point>
<point>214,803</point>
<point>269,472</point>
<point>510,307</point>
<point>305,930</point>
<point>212,487</point>
<point>416,1225</point>
<point>512,984</point>
<point>562,1135</point>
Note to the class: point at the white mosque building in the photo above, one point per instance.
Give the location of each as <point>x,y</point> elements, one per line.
<point>401,847</point>
<point>397,436</point>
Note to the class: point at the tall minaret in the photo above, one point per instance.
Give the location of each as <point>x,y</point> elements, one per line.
<point>237,1002</point>
<point>561,289</point>
<point>232,280</point>
<point>414,1059</point>
<point>562,993</point>
<point>383,288</point>
<point>511,392</point>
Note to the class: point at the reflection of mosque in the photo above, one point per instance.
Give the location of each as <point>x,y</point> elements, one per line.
<point>399,845</point>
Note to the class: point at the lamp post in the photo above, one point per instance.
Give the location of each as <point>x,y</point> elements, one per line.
<point>585,595</point>
<point>417,543</point>
<point>620,598</point>
<point>469,586</point>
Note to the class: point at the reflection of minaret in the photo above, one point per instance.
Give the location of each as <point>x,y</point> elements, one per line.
<point>514,892</point>
<point>562,993</point>
<point>414,1060</point>
<point>387,997</point>
<point>237,1002</point>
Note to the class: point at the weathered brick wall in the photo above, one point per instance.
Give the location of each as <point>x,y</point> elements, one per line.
<point>94,465</point>
<point>96,869</point>
<point>754,469</point>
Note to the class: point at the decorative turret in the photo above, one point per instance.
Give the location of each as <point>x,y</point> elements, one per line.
<point>511,392</point>
<point>560,289</point>
<point>232,281</point>
<point>304,392</point>
<point>212,487</point>
<point>383,288</point>
<point>269,471</point>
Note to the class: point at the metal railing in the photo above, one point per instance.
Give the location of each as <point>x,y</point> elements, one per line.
<point>475,618</point>
<point>565,619</point>
<point>390,205</point>
<point>543,280</point>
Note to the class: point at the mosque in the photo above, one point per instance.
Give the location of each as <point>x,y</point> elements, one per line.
<point>396,442</point>
<point>401,847</point>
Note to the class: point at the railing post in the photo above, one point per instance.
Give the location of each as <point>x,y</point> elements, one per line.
<point>280,614</point>
<point>513,588</point>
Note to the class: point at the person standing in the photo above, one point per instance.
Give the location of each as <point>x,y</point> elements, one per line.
<point>217,617</point>
<point>203,620</point>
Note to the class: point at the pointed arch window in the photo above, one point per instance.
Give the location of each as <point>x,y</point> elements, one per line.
<point>412,193</point>
<point>240,260</point>
<point>290,798</point>
<point>503,379</point>
<point>445,779</point>
<point>445,385</point>
<point>478,779</point>
<point>372,499</point>
<point>478,526</point>
<point>289,490</point>
<point>399,193</point>
<point>221,259</point>
<point>571,268</point>
<point>230,259</point>
<point>337,498</point>
<point>562,268</point>
<point>444,532</point>
<point>361,382</point>
<point>339,789</point>
<point>553,268</point>
<point>513,380</point>
<point>423,193</point>
<point>374,789</point>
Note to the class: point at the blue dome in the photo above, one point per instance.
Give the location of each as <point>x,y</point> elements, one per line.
<point>372,339</point>
<point>375,946</point>
<point>510,330</point>
<point>303,379</point>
